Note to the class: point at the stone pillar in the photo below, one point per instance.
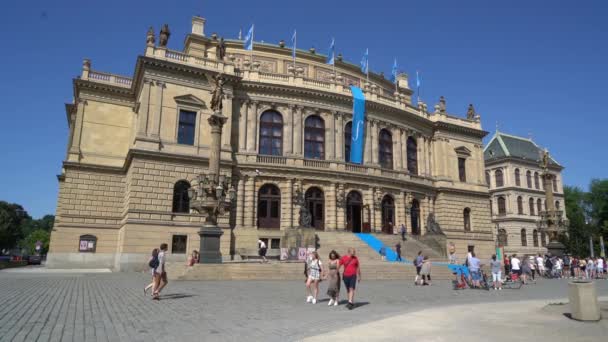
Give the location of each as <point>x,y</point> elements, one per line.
<point>227,111</point>
<point>399,211</point>
<point>368,213</point>
<point>340,136</point>
<point>367,157</point>
<point>74,153</point>
<point>374,142</point>
<point>240,209</point>
<point>144,107</point>
<point>298,130</point>
<point>340,215</point>
<point>408,215</point>
<point>286,213</point>
<point>332,207</point>
<point>404,135</point>
<point>157,112</point>
<point>431,173</point>
<point>248,202</point>
<point>288,131</point>
<point>216,122</point>
<point>252,119</point>
<point>330,134</point>
<point>244,109</point>
<point>427,155</point>
<point>256,186</point>
<point>423,214</point>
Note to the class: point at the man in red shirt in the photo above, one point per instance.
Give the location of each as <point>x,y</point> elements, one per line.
<point>352,271</point>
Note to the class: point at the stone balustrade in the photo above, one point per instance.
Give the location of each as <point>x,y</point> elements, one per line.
<point>104,77</point>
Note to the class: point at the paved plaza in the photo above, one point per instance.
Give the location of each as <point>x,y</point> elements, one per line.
<point>50,306</point>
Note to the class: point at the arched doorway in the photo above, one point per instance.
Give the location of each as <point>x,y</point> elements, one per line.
<point>415,214</point>
<point>269,207</point>
<point>388,214</point>
<point>315,202</point>
<point>354,204</point>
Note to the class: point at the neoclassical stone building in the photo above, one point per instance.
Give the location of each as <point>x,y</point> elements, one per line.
<point>513,174</point>
<point>137,143</point>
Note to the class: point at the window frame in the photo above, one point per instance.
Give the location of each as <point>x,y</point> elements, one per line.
<point>500,173</point>
<point>185,247</point>
<point>411,155</point>
<point>466,215</point>
<point>348,136</point>
<point>317,130</point>
<point>179,208</point>
<point>462,169</point>
<point>524,237</point>
<point>503,206</point>
<point>520,205</point>
<point>88,238</point>
<point>271,126</point>
<point>517,177</point>
<point>385,149</point>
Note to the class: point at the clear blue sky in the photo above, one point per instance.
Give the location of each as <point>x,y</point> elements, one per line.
<point>535,67</point>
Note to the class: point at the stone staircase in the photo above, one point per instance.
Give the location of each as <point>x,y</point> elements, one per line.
<point>410,247</point>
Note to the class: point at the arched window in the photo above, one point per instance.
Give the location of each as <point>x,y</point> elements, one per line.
<point>556,205</point>
<point>488,178</point>
<point>535,237</point>
<point>539,205</point>
<point>412,156</point>
<point>517,178</point>
<point>543,238</point>
<point>415,214</point>
<point>502,206</point>
<point>348,133</point>
<point>271,133</point>
<point>269,207</point>
<point>385,149</point>
<point>524,238</point>
<point>531,202</point>
<point>314,137</point>
<point>536,181</point>
<point>520,205</point>
<point>502,238</point>
<point>315,202</point>
<point>466,213</point>
<point>554,184</point>
<point>499,178</point>
<point>181,201</point>
<point>388,214</point>
<point>529,179</point>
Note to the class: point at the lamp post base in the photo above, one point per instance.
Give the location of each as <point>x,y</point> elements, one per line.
<point>210,244</point>
<point>556,248</point>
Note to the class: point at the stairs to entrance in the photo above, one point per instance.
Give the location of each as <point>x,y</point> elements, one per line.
<point>409,247</point>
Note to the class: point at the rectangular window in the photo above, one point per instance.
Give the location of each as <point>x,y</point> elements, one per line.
<point>178,244</point>
<point>185,131</point>
<point>462,172</point>
<point>275,244</point>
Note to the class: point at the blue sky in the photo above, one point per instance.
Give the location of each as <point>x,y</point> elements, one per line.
<point>536,68</point>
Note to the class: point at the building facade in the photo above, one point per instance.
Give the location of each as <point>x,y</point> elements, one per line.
<point>514,176</point>
<point>136,145</point>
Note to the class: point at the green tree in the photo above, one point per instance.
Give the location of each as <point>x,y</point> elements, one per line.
<point>29,243</point>
<point>576,242</point>
<point>12,216</point>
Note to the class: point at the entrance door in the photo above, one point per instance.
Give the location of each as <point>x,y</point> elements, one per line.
<point>388,214</point>
<point>315,202</point>
<point>269,207</point>
<point>415,213</point>
<point>354,205</point>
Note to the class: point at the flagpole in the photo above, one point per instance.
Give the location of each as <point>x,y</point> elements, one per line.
<point>295,50</point>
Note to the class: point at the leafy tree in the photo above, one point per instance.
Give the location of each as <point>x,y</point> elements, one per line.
<point>12,216</point>
<point>29,243</point>
<point>577,229</point>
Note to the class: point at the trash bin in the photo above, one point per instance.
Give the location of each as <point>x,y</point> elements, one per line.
<point>583,301</point>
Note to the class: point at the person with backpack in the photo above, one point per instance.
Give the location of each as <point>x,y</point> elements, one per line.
<point>160,273</point>
<point>418,263</point>
<point>153,264</point>
<point>383,253</point>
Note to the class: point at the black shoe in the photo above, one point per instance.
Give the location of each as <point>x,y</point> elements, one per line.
<point>350,306</point>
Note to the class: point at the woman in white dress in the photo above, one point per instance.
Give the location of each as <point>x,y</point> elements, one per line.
<point>314,270</point>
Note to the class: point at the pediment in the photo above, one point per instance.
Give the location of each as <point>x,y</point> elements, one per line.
<point>190,100</point>
<point>462,150</point>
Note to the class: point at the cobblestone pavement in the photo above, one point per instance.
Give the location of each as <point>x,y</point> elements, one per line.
<point>112,307</point>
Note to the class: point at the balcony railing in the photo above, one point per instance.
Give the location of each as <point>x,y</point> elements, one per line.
<point>356,168</point>
<point>322,164</point>
<point>105,77</point>
<point>278,160</point>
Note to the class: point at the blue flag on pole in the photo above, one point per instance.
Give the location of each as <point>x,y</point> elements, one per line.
<point>365,62</point>
<point>417,79</point>
<point>394,71</point>
<point>358,127</point>
<point>331,54</point>
<point>249,39</point>
<point>293,44</point>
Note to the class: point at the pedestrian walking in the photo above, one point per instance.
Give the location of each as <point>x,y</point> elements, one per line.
<point>383,252</point>
<point>507,262</point>
<point>160,273</point>
<point>574,267</point>
<point>425,271</point>
<point>153,264</point>
<point>540,265</point>
<point>333,278</point>
<point>398,250</point>
<point>516,265</point>
<point>351,275</point>
<point>526,270</point>
<point>496,276</point>
<point>314,277</point>
<point>600,268</point>
<point>532,263</point>
<point>262,250</point>
<point>475,270</point>
<point>583,266</point>
<point>452,258</point>
<point>403,232</point>
<point>418,263</point>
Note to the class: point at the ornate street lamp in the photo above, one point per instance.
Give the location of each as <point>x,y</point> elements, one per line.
<point>551,220</point>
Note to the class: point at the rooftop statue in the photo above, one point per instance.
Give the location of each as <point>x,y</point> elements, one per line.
<point>221,49</point>
<point>164,36</point>
<point>442,105</point>
<point>150,37</point>
<point>217,94</point>
<point>544,163</point>
<point>471,112</point>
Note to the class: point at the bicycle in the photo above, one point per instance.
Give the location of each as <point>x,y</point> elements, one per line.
<point>512,281</point>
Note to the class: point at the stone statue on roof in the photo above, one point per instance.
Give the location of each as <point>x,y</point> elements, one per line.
<point>471,112</point>
<point>163,37</point>
<point>150,37</point>
<point>221,49</point>
<point>217,94</point>
<point>544,163</point>
<point>442,105</point>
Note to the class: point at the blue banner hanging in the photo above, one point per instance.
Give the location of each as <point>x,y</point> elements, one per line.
<point>358,130</point>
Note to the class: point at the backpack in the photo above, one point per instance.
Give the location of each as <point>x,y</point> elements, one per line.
<point>154,262</point>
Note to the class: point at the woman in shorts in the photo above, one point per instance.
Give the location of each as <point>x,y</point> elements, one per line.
<point>314,276</point>
<point>496,273</point>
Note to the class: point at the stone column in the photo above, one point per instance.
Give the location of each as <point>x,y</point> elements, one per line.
<point>399,211</point>
<point>227,111</point>
<point>144,107</point>
<point>340,216</point>
<point>286,213</point>
<point>368,213</point>
<point>367,157</point>
<point>216,122</point>
<point>74,152</point>
<point>248,202</point>
<point>330,133</point>
<point>430,157</point>
<point>404,135</point>
<point>374,142</point>
<point>244,109</point>
<point>298,130</point>
<point>288,131</point>
<point>423,214</point>
<point>340,136</point>
<point>332,207</point>
<point>427,155</point>
<point>397,149</point>
<point>252,127</point>
<point>256,186</point>
<point>408,216</point>
<point>240,209</point>
<point>158,109</point>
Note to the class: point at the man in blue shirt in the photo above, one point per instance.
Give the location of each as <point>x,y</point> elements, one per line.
<point>474,266</point>
<point>418,263</point>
